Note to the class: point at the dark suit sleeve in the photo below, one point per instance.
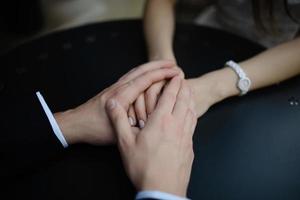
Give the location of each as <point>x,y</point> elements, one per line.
<point>27,141</point>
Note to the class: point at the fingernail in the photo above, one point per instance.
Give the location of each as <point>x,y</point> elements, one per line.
<point>141,123</point>
<point>131,121</point>
<point>112,104</point>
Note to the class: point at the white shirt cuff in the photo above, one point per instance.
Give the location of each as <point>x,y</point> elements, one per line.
<point>158,195</point>
<point>54,125</point>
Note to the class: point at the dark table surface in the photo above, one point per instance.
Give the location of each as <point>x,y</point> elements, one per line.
<point>245,147</point>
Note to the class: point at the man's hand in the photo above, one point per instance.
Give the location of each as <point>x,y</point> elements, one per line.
<point>89,122</point>
<point>159,156</point>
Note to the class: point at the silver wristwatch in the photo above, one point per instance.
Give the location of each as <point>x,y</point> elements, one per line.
<point>244,83</point>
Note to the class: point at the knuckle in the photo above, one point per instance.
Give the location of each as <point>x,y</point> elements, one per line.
<point>121,99</point>
<point>119,96</point>
<point>114,115</point>
<point>181,73</point>
<point>103,98</point>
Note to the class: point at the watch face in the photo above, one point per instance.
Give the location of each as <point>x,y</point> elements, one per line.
<point>244,84</point>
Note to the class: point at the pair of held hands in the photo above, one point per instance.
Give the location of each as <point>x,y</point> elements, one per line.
<point>157,157</point>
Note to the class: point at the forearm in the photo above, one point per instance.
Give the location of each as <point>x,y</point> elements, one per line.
<point>159,28</point>
<point>267,68</point>
<point>274,65</point>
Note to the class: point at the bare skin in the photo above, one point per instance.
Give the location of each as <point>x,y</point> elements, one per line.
<point>267,68</point>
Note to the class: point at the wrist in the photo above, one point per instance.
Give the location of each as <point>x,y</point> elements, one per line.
<point>162,56</point>
<point>67,123</point>
<point>224,83</point>
<point>213,87</point>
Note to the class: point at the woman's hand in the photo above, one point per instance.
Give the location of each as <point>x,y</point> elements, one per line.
<point>146,102</point>
<point>144,105</point>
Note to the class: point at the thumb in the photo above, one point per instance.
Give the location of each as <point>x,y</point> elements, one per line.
<point>119,120</point>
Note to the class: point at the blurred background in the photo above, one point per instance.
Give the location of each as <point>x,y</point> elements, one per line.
<point>25,20</point>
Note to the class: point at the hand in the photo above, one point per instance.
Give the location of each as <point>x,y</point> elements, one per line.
<point>159,156</point>
<point>146,102</point>
<point>89,122</point>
